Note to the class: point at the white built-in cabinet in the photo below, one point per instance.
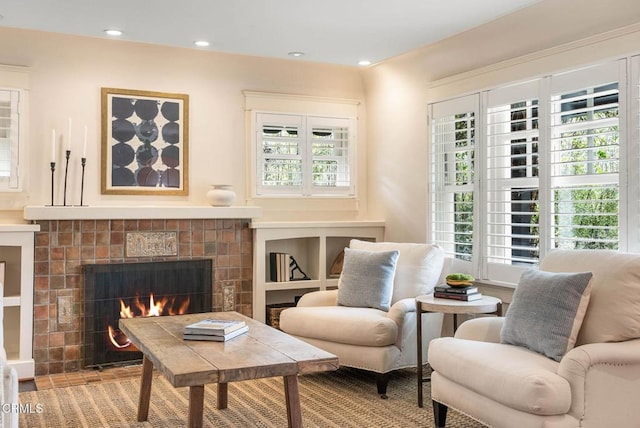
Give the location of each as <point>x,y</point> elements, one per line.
<point>314,245</point>
<point>17,253</point>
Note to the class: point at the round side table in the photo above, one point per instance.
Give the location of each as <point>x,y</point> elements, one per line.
<point>428,303</point>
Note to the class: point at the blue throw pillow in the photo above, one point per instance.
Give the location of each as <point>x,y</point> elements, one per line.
<point>367,278</point>
<point>546,312</point>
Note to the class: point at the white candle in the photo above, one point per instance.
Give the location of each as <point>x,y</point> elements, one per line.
<point>53,145</point>
<point>69,136</point>
<point>84,147</point>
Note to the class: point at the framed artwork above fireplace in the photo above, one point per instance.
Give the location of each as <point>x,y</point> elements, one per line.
<point>145,141</point>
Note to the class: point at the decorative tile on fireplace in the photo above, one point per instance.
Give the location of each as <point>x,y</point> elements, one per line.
<point>151,244</point>
<point>63,246</point>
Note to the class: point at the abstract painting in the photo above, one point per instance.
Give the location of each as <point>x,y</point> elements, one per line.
<point>145,139</point>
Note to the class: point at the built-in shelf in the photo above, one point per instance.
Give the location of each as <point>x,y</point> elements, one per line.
<point>16,275</point>
<point>111,212</point>
<point>11,301</point>
<point>314,245</point>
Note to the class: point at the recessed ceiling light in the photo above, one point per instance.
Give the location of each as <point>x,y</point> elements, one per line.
<point>113,32</point>
<point>201,43</point>
<point>364,62</point>
<point>296,54</point>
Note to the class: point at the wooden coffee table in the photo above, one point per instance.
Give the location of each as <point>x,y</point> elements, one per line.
<point>261,352</point>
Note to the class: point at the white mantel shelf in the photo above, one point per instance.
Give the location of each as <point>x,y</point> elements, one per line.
<point>19,227</point>
<point>315,224</point>
<point>112,212</point>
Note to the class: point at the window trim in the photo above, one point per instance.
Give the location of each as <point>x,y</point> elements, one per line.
<point>286,104</point>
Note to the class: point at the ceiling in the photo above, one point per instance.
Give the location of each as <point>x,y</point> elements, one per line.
<point>328,31</point>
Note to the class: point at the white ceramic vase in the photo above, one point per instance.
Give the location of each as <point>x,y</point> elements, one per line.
<point>221,195</point>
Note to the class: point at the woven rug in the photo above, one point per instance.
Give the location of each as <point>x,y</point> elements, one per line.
<point>344,398</point>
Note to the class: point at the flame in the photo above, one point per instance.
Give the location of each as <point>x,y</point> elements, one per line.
<point>163,306</point>
<point>114,341</point>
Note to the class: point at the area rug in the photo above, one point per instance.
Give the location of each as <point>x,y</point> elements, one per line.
<point>344,398</point>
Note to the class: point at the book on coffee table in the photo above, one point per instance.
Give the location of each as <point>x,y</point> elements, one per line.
<point>216,337</point>
<point>211,326</point>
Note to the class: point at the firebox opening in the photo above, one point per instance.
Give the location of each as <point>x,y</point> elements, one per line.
<point>114,291</point>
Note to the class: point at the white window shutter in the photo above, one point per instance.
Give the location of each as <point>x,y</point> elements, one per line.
<point>633,158</point>
<point>304,155</point>
<point>331,147</point>
<point>512,213</point>
<point>9,139</point>
<point>280,152</point>
<point>453,137</point>
<point>585,157</point>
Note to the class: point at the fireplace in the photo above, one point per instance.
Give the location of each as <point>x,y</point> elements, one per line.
<point>114,291</point>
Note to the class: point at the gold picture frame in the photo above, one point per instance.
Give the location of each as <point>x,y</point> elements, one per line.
<point>145,143</point>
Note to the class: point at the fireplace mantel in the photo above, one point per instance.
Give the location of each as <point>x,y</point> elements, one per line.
<point>111,212</point>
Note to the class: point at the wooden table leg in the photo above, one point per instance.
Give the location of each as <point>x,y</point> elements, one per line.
<point>145,389</point>
<point>292,397</point>
<point>196,406</point>
<point>223,394</point>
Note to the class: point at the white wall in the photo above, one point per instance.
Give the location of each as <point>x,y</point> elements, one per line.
<point>66,74</point>
<point>541,39</point>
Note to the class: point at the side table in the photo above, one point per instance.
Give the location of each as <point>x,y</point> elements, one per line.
<point>428,303</point>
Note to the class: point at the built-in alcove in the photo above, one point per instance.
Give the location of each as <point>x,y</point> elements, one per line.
<point>125,290</point>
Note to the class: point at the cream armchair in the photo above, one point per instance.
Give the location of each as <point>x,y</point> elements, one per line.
<point>367,338</point>
<point>595,384</point>
<point>9,379</point>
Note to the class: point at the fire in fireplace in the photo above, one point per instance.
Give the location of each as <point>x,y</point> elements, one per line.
<point>127,290</point>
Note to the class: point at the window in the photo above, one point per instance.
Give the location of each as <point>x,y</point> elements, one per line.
<point>513,170</point>
<point>584,162</point>
<point>549,161</point>
<point>453,141</point>
<point>304,155</point>
<point>9,139</point>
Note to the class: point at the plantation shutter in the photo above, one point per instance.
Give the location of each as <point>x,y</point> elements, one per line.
<point>453,136</point>
<point>513,230</point>
<point>331,147</point>
<point>633,159</point>
<point>280,153</point>
<point>9,138</point>
<point>585,157</point>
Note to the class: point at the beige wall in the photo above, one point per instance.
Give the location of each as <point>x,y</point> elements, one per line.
<point>393,177</point>
<point>66,74</point>
<point>542,39</point>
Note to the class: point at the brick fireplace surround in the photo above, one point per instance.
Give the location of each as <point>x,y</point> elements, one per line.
<point>63,246</point>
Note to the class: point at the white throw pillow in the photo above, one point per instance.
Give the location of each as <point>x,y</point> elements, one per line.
<point>418,269</point>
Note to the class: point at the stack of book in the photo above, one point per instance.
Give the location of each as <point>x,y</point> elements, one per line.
<point>279,267</point>
<point>467,293</point>
<point>216,330</point>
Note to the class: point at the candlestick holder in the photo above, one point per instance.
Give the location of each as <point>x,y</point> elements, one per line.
<point>83,162</point>
<point>53,170</point>
<point>66,170</point>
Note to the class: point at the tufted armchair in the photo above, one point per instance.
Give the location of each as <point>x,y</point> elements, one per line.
<point>594,384</point>
<point>9,379</point>
<point>367,338</point>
